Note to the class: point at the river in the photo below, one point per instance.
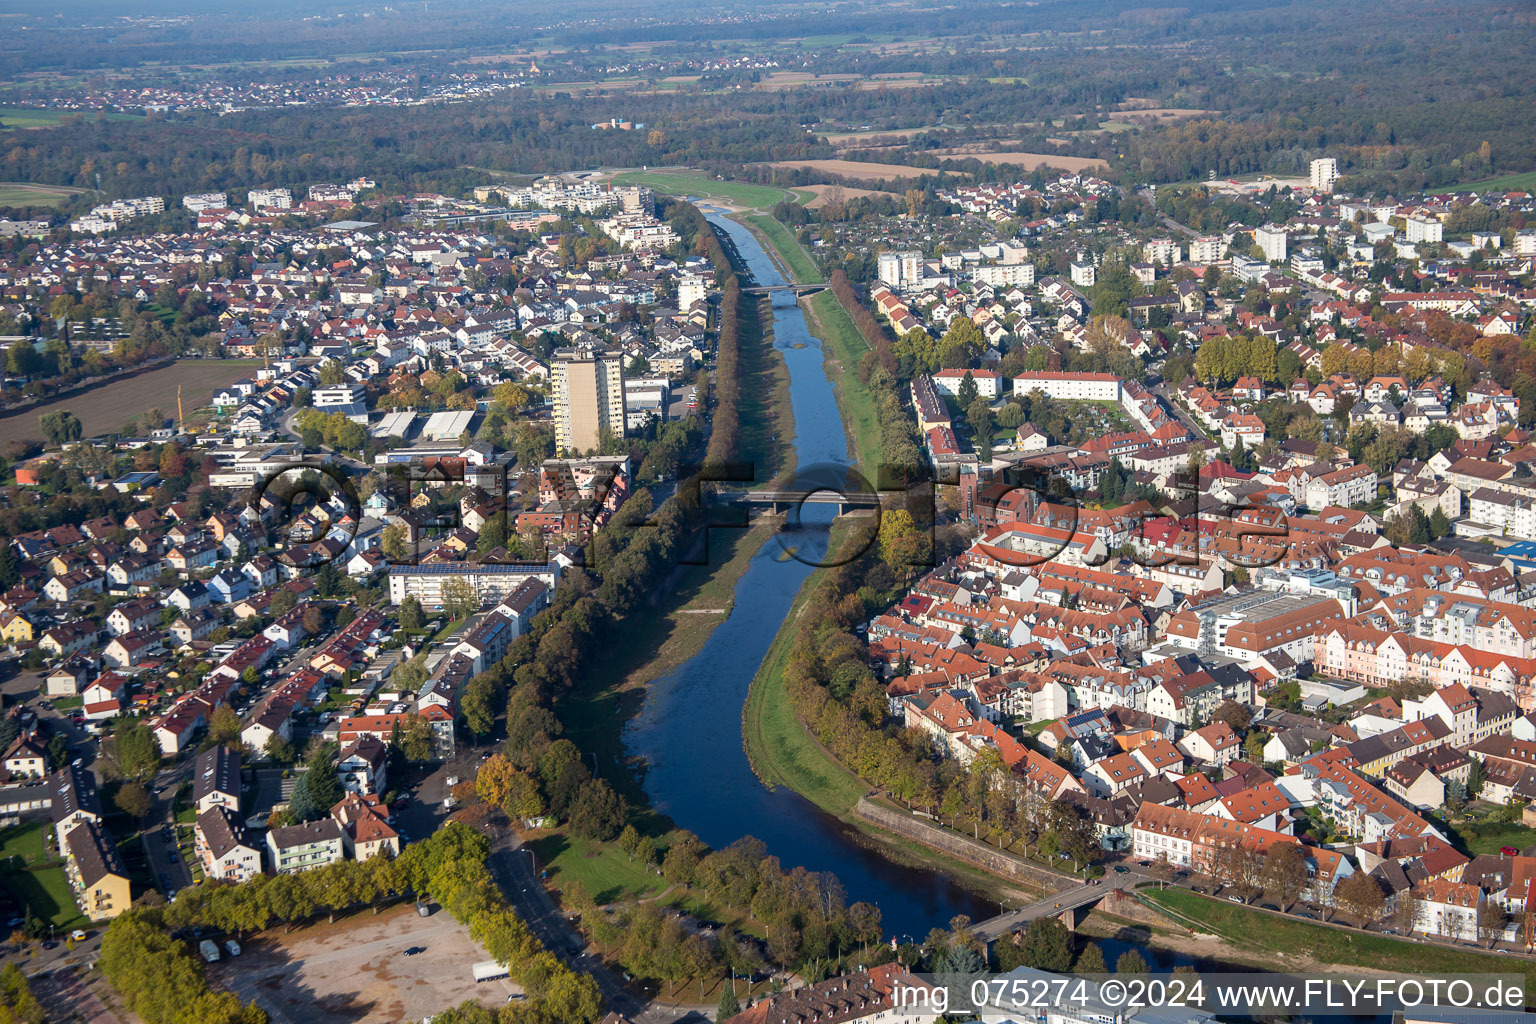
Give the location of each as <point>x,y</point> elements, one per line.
<point>689,730</point>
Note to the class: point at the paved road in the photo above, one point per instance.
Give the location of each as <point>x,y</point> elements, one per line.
<point>511,865</point>
<point>66,998</point>
<point>1168,222</point>
<point>158,842</point>
<point>1165,392</point>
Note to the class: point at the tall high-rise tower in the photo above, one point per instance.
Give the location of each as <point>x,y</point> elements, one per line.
<point>589,397</point>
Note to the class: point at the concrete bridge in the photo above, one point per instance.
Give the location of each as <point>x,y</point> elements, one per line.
<point>1066,904</point>
<point>769,289</point>
<point>782,501</point>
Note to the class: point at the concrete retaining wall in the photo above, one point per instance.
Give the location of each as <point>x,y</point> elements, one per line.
<point>989,858</point>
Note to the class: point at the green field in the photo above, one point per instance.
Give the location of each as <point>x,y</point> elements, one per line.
<point>1252,929</point>
<point>792,254</point>
<point>24,841</point>
<point>602,868</point>
<point>41,885</point>
<point>1508,183</point>
<point>28,117</point>
<point>740,193</point>
<point>17,193</point>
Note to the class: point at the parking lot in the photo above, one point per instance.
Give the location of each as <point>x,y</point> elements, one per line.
<point>356,971</point>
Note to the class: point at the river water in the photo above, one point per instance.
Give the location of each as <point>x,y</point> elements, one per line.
<point>689,730</point>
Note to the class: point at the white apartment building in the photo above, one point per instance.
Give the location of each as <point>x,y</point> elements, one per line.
<point>1003,274</point>
<point>295,848</point>
<point>1083,274</point>
<point>1325,172</point>
<point>339,395</point>
<point>900,269</point>
<point>491,581</point>
<point>691,288</point>
<point>1421,228</point>
<point>1161,250</point>
<point>270,199</point>
<point>222,847</point>
<point>639,231</point>
<point>1271,240</point>
<point>1206,249</point>
<point>1514,515</point>
<point>1072,387</point>
<point>205,201</point>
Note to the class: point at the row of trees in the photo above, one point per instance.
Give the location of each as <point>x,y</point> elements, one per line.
<point>17,1003</point>
<point>164,984</point>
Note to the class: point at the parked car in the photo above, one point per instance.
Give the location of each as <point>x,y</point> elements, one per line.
<point>232,947</point>
<point>77,935</point>
<point>1121,869</point>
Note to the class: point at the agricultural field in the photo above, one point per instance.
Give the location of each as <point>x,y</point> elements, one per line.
<point>796,79</point>
<point>821,195</point>
<point>858,169</point>
<point>680,183</point>
<point>846,140</point>
<point>30,117</point>
<point>107,407</point>
<point>1028,161</point>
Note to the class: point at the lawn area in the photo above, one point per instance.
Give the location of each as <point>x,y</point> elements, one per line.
<point>23,194</point>
<point>1479,837</point>
<point>791,253</point>
<point>24,841</point>
<point>1508,183</point>
<point>605,870</point>
<point>46,891</point>
<point>682,183</point>
<point>1246,927</point>
<point>844,347</point>
<point>42,886</point>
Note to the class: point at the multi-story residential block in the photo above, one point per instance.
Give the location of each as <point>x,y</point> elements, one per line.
<point>216,779</point>
<point>1271,241</point>
<point>1324,173</point>
<point>96,873</point>
<point>222,847</point>
<point>295,848</point>
<point>588,389</point>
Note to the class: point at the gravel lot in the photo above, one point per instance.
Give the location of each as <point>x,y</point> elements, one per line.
<point>355,971</point>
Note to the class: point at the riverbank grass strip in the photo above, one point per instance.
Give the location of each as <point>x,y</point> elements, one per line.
<point>1247,927</point>
<point>791,253</point>
<point>846,346</point>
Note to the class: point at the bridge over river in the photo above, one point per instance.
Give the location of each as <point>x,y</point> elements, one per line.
<point>1067,901</point>
<point>777,502</point>
<point>769,289</point>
